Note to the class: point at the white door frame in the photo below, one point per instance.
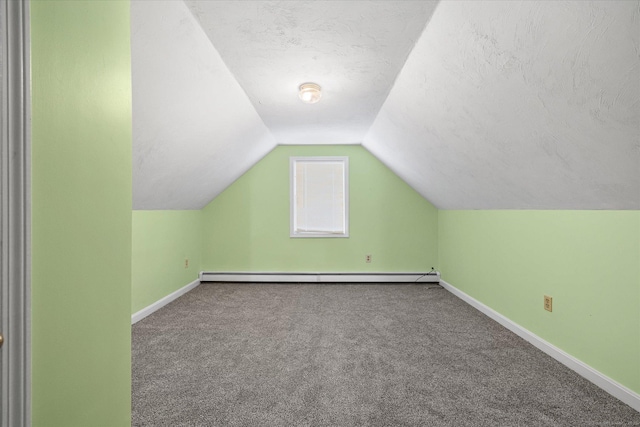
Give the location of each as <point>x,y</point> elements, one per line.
<point>15,217</point>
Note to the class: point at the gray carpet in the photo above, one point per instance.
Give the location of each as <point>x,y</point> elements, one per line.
<point>349,355</point>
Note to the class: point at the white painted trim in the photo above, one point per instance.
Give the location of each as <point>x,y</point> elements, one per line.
<point>317,277</point>
<point>298,143</point>
<point>15,214</point>
<point>138,316</point>
<point>609,385</point>
<point>292,195</point>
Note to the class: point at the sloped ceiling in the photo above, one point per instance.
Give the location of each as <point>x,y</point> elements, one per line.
<point>194,129</point>
<point>527,105</point>
<point>495,105</point>
<point>353,49</point>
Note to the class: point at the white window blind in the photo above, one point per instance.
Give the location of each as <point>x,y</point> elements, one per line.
<point>319,197</point>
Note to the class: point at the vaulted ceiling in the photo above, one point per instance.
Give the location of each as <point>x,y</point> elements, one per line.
<point>475,104</point>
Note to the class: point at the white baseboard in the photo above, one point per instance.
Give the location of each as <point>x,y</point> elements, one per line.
<point>609,385</point>
<point>138,316</point>
<point>309,277</point>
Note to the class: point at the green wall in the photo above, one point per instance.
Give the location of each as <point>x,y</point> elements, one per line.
<point>82,241</point>
<point>161,242</point>
<point>586,260</point>
<point>246,228</point>
<point>81,214</point>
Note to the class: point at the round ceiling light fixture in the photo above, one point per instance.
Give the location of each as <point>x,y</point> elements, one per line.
<point>310,93</point>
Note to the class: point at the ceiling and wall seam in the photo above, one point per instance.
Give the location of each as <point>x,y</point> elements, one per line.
<point>195,131</point>
<point>404,62</point>
<point>197,19</point>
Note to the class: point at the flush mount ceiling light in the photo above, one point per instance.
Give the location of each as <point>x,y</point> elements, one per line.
<point>310,93</point>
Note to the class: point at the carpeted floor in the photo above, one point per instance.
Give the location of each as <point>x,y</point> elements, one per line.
<point>349,355</point>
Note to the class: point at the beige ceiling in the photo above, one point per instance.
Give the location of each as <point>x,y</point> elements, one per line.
<point>476,104</point>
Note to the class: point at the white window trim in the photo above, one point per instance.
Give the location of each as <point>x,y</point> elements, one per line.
<point>292,163</point>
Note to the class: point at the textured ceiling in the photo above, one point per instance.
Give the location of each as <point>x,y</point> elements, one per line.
<point>353,49</point>
<point>194,129</point>
<point>519,105</point>
<point>499,105</point>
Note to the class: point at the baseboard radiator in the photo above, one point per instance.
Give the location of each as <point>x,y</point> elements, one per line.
<point>287,277</point>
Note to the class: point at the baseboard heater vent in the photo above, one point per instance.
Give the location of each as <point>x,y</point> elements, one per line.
<point>273,277</point>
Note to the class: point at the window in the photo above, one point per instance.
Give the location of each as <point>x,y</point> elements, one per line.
<point>319,196</point>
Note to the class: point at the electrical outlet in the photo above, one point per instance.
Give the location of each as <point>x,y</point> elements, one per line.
<point>186,263</point>
<point>368,258</point>
<point>548,303</point>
